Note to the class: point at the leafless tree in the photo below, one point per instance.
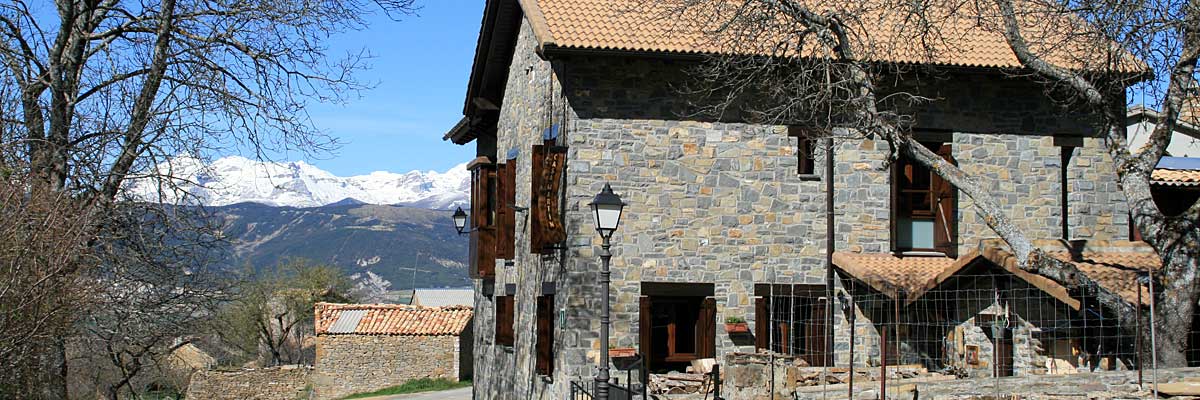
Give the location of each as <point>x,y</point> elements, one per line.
<point>830,65</point>
<point>98,93</point>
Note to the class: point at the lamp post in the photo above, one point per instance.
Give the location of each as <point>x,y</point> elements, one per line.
<point>606,207</point>
<point>460,220</point>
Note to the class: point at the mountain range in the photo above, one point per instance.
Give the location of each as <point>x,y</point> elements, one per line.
<point>234,179</point>
<point>386,230</point>
<point>382,247</point>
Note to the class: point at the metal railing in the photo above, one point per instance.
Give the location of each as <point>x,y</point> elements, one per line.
<point>584,390</point>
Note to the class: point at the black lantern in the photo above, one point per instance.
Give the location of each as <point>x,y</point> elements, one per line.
<point>460,220</point>
<point>607,207</point>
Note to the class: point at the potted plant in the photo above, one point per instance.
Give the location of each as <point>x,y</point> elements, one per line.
<point>736,325</point>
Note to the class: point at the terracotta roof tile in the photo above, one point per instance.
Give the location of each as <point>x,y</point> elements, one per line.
<point>1113,265</point>
<point>390,319</point>
<point>1175,177</point>
<point>961,38</point>
<point>888,273</point>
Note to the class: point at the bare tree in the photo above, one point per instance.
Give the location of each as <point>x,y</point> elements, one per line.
<point>271,315</point>
<point>840,67</point>
<point>99,93</point>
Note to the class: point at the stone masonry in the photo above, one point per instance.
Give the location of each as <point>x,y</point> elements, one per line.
<point>721,202</point>
<point>349,364</point>
<point>289,382</point>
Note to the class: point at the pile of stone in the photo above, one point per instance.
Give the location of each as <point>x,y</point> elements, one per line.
<point>679,383</point>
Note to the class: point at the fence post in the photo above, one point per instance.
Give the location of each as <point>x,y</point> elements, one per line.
<point>716,372</point>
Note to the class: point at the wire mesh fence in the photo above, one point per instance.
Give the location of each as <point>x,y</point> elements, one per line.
<point>983,325</point>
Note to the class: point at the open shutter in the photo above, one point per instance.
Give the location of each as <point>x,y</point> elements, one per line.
<point>538,156</point>
<point>706,332</point>
<point>545,335</point>
<point>549,167</point>
<point>483,219</point>
<point>505,215</point>
<point>894,210</point>
<point>945,222</point>
<point>762,322</point>
<point>644,329</point>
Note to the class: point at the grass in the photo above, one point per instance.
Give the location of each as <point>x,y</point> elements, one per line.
<point>414,386</point>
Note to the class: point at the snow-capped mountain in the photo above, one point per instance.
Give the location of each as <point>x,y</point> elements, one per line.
<point>235,179</point>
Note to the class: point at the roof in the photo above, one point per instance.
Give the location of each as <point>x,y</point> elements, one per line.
<point>1177,171</point>
<point>443,297</point>
<point>391,319</point>
<point>1113,265</point>
<point>966,36</point>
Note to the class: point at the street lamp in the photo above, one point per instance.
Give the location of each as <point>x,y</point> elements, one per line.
<point>606,207</point>
<point>460,220</point>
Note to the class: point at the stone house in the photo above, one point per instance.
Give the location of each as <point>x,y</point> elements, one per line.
<point>367,347</point>
<point>726,219</point>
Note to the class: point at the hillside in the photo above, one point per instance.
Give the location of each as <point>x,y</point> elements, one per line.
<point>362,239</point>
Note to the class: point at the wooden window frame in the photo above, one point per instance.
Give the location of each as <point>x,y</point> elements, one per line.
<point>505,316</point>
<point>943,202</point>
<point>544,347</point>
<point>806,160</point>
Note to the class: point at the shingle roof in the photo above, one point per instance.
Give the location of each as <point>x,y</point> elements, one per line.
<point>443,297</point>
<point>390,319</point>
<point>1113,265</point>
<point>960,38</point>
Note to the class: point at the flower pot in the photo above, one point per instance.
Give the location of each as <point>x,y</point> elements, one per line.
<point>738,327</point>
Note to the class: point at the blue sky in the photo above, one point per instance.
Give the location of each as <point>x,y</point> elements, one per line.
<point>421,66</point>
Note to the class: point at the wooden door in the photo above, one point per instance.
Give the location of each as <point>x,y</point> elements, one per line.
<point>706,329</point>
<point>645,325</point>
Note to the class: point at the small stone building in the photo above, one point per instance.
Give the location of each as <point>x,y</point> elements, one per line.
<point>367,347</point>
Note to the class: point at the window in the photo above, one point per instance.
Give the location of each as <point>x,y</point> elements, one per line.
<point>1065,153</point>
<point>792,319</point>
<point>483,218</point>
<point>677,325</point>
<point>924,207</point>
<point>805,160</point>
<point>545,335</point>
<point>504,321</point>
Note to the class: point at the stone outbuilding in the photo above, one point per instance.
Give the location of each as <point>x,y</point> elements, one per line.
<point>367,347</point>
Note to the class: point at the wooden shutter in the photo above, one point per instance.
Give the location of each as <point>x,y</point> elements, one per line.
<point>504,321</point>
<point>644,328</point>
<point>816,333</point>
<point>762,323</point>
<point>538,155</point>
<point>506,219</point>
<point>483,231</point>
<point>945,221</point>
<point>545,335</point>
<point>706,329</point>
<point>894,210</point>
<point>549,167</point>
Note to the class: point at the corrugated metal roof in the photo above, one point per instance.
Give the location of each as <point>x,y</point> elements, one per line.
<point>443,297</point>
<point>347,322</point>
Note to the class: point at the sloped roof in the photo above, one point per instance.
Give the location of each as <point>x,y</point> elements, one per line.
<point>1177,171</point>
<point>965,37</point>
<point>390,319</point>
<point>443,297</point>
<point>1113,265</point>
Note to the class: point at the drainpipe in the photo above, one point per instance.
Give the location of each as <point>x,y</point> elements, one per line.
<point>829,220</point>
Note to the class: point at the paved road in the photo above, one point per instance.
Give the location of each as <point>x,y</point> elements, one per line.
<point>454,394</point>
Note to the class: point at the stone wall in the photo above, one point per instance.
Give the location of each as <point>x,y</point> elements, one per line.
<point>289,382</point>
<point>349,364</point>
<point>720,202</point>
